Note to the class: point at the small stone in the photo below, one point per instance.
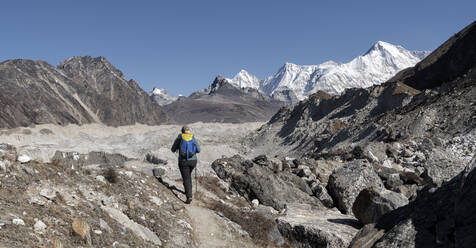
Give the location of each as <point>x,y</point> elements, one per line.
<point>176,206</point>
<point>18,222</point>
<point>24,159</point>
<point>287,165</point>
<point>408,190</point>
<point>393,181</point>
<point>407,153</point>
<point>98,232</point>
<point>276,165</point>
<point>304,171</point>
<point>419,170</point>
<point>255,203</point>
<point>371,157</point>
<point>101,178</point>
<point>48,193</point>
<point>3,166</point>
<point>103,225</point>
<point>159,172</point>
<point>321,193</point>
<point>387,163</point>
<point>39,226</point>
<point>420,156</point>
<point>28,170</point>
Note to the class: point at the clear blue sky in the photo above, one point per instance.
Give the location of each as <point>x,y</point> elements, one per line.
<point>182,45</point>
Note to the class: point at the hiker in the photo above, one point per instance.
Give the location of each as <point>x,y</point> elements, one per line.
<point>187,146</point>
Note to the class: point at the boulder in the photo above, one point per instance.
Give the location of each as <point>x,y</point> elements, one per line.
<point>372,203</point>
<point>276,165</point>
<point>159,172</point>
<point>438,217</point>
<point>39,226</point>
<point>261,160</point>
<point>153,158</point>
<point>393,181</point>
<point>320,192</point>
<point>436,167</point>
<point>138,229</point>
<point>408,190</point>
<point>23,159</point>
<point>255,181</point>
<point>307,226</point>
<point>304,171</point>
<point>346,182</point>
<point>324,168</point>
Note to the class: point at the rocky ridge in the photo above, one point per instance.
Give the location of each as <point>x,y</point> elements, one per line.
<point>223,102</point>
<point>80,90</point>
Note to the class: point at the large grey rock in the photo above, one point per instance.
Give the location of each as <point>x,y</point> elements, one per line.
<point>136,228</point>
<point>436,167</point>
<point>372,203</point>
<point>346,182</point>
<point>260,182</point>
<point>439,217</point>
<point>307,226</point>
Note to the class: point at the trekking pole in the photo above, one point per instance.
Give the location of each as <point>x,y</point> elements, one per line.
<point>196,180</point>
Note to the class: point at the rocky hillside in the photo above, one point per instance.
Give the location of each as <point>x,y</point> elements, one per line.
<point>389,112</point>
<point>80,90</point>
<point>223,102</point>
<point>399,159</point>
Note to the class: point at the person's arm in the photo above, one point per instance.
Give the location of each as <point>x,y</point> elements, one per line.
<point>176,145</point>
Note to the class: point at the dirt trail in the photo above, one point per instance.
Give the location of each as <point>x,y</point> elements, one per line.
<point>211,230</point>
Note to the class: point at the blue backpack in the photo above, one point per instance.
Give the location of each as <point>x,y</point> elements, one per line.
<point>188,146</point>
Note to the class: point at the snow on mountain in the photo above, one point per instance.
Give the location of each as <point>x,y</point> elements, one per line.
<point>161,97</point>
<point>378,64</point>
<point>244,80</point>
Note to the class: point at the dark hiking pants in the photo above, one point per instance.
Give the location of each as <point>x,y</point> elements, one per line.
<point>186,167</point>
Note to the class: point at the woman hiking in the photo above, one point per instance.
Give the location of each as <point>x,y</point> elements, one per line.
<point>188,147</point>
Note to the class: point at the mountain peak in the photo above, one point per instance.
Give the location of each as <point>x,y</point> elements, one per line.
<point>244,79</point>
<point>382,46</point>
<point>161,97</point>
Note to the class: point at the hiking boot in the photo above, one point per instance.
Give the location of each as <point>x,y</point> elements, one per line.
<point>188,201</point>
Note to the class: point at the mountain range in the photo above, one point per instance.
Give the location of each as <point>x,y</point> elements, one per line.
<point>293,83</point>
<point>85,90</point>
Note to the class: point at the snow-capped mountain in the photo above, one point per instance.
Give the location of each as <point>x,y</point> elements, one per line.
<point>291,82</point>
<point>244,80</point>
<point>161,97</point>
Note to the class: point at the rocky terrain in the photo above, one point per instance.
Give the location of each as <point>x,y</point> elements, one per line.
<point>80,90</point>
<point>223,102</point>
<point>399,151</point>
